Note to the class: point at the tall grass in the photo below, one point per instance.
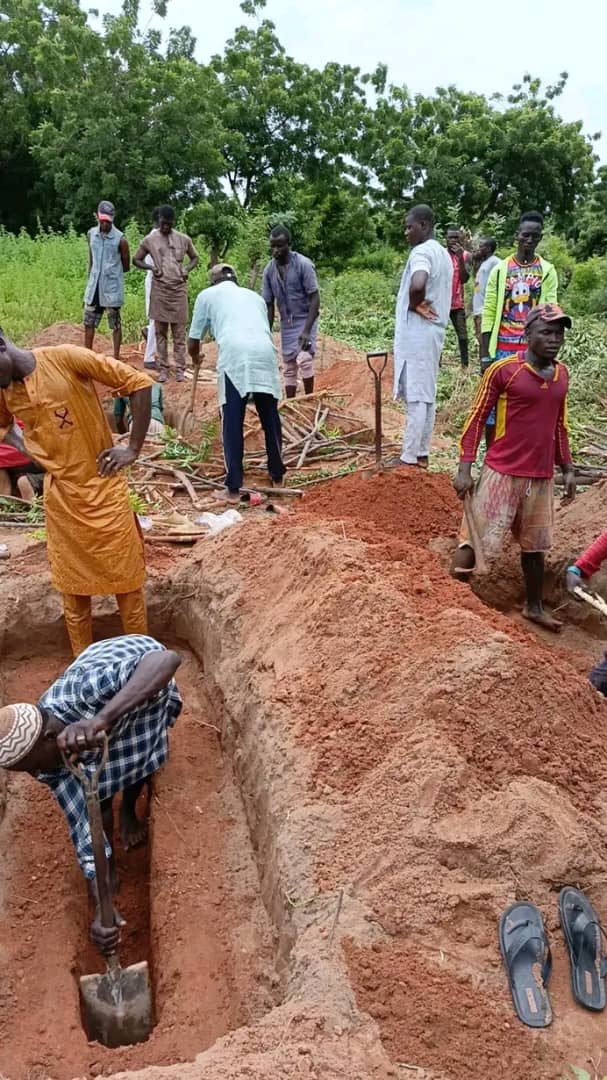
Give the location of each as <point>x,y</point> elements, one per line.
<point>42,281</point>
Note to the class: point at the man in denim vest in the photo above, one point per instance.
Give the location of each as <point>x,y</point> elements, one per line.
<point>109,259</point>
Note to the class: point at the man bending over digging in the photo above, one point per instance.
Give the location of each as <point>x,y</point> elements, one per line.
<point>123,687</point>
<point>516,486</point>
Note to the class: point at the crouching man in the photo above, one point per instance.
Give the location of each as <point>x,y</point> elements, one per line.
<point>124,687</point>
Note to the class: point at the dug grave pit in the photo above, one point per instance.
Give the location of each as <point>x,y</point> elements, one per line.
<point>190,899</point>
<point>410,762</point>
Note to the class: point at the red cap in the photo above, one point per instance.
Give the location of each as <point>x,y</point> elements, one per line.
<point>547,313</point>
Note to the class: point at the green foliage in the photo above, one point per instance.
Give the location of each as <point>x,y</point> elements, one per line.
<point>358,307</point>
<point>138,504</point>
<point>581,1074</point>
<point>184,454</point>
<point>126,112</point>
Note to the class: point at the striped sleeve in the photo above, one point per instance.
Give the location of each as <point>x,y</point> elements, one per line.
<point>492,384</point>
<point>562,451</point>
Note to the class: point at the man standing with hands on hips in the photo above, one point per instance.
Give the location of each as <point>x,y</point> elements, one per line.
<point>290,282</point>
<point>422,313</point>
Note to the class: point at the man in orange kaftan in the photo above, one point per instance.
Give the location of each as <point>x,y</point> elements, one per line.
<point>94,543</point>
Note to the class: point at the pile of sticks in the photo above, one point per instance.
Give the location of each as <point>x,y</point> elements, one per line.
<point>318,434</point>
<point>589,471</point>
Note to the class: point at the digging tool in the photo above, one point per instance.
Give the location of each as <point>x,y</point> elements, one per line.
<point>117,1006</point>
<point>593,599</point>
<point>190,409</point>
<point>377,368</point>
<point>480,562</point>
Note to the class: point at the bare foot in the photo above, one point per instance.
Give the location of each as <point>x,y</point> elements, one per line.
<point>227,496</point>
<point>542,618</point>
<point>423,462</point>
<point>134,832</point>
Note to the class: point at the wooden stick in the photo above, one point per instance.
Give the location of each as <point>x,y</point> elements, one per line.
<point>318,422</point>
<point>593,599</point>
<point>480,563</point>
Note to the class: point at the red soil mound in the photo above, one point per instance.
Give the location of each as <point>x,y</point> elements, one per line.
<point>454,765</point>
<point>64,333</point>
<point>408,504</point>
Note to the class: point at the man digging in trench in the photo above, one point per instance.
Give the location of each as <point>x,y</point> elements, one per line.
<point>123,687</point>
<point>516,486</point>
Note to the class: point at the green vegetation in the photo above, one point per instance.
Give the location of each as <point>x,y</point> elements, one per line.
<point>184,454</point>
<point>582,1074</point>
<point>267,140</point>
<point>126,112</point>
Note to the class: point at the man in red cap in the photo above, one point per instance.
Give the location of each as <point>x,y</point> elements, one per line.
<point>515,490</point>
<point>109,260</point>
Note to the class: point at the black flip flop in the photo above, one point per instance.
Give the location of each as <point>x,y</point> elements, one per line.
<point>528,963</point>
<point>582,929</point>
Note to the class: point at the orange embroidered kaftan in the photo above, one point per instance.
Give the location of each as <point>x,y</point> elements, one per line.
<point>94,544</point>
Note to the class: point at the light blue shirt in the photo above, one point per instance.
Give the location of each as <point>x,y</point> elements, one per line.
<point>238,320</point>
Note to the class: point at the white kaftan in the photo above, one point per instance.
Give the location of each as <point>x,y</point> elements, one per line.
<point>418,342</point>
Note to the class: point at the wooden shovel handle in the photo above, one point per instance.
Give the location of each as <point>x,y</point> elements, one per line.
<point>480,563</point>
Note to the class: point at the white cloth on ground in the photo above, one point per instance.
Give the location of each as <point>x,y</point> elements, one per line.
<point>418,342</point>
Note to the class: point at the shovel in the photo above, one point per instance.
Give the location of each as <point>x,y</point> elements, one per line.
<point>376,362</point>
<point>117,1006</point>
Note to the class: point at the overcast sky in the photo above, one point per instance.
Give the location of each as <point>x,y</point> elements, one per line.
<point>427,43</point>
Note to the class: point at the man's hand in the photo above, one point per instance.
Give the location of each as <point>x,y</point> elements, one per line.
<point>106,939</point>
<point>81,736</point>
<point>463,481</point>
<point>573,581</point>
<point>569,484</point>
<point>157,272</point>
<point>426,311</point>
<point>114,459</point>
<point>304,342</point>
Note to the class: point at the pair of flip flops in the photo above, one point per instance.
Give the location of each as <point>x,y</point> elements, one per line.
<point>528,960</point>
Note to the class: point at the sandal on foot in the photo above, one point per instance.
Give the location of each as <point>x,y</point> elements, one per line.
<point>528,963</point>
<point>582,929</point>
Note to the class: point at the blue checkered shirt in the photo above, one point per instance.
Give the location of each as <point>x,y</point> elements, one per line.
<point>138,742</point>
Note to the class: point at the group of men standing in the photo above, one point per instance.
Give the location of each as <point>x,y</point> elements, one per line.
<point>247,363</point>
<point>520,406</point>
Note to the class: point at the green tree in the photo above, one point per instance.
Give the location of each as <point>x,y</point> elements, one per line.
<point>489,157</point>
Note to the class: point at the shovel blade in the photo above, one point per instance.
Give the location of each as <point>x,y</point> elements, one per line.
<point>118,1019</point>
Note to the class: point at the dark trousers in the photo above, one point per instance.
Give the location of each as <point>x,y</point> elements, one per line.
<point>458,318</point>
<point>233,440</point>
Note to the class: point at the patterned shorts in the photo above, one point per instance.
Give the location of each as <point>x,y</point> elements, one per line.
<point>93,314</point>
<point>516,504</point>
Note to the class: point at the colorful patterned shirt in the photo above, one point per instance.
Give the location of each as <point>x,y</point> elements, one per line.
<point>138,742</point>
<point>523,289</point>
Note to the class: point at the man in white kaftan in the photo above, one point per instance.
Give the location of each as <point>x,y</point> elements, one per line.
<point>422,314</point>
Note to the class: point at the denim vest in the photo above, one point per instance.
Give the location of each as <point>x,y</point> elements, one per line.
<point>106,268</point>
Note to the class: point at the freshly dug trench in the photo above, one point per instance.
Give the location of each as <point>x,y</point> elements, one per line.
<point>191,901</point>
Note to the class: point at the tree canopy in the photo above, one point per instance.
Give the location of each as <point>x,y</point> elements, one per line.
<point>120,112</point>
